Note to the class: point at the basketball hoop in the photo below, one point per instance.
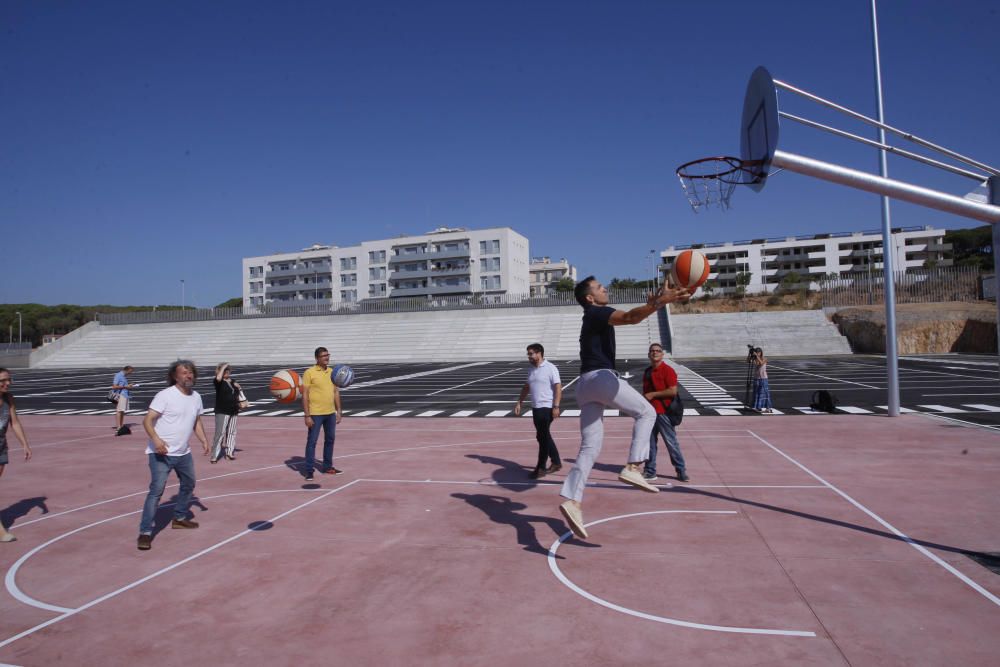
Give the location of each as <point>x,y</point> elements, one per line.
<point>711,181</point>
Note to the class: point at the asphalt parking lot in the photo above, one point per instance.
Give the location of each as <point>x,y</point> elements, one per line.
<point>953,387</point>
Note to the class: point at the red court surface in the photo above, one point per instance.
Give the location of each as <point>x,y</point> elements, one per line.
<point>824,540</point>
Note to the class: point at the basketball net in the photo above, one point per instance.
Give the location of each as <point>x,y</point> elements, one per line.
<point>711,181</point>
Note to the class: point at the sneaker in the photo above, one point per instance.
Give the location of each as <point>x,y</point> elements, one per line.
<point>574,517</point>
<point>682,477</point>
<point>537,473</point>
<point>333,471</point>
<point>309,477</point>
<point>145,542</point>
<point>8,537</point>
<point>634,477</point>
<point>183,523</point>
<point>651,476</point>
<point>555,467</point>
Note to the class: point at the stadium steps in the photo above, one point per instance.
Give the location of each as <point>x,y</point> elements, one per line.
<point>779,333</point>
<point>458,335</point>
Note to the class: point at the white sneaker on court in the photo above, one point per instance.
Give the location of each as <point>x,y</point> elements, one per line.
<point>574,517</point>
<point>634,477</point>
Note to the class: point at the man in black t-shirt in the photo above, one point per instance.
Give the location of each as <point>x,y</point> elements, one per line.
<point>599,387</point>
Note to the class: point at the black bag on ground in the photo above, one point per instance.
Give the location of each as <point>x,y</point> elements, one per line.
<point>675,411</point>
<point>823,401</point>
<point>124,430</point>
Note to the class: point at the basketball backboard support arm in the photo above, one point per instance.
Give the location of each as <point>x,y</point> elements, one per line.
<point>908,192</point>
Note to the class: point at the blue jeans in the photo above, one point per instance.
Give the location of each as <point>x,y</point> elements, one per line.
<point>329,425</point>
<point>761,394</point>
<point>160,466</point>
<point>665,429</point>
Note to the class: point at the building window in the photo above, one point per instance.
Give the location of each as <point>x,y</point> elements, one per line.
<point>489,247</point>
<point>376,256</point>
<point>376,273</point>
<point>348,279</point>
<point>348,263</point>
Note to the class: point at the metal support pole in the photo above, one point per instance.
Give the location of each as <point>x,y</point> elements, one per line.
<point>888,275</point>
<point>182,294</point>
<point>18,328</point>
<point>993,192</point>
<point>861,180</point>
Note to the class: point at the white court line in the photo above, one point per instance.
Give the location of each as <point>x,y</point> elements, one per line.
<point>727,412</point>
<point>981,406</point>
<point>854,411</point>
<point>365,413</point>
<point>498,413</point>
<point>72,612</point>
<point>941,408</point>
<point>488,377</point>
<point>888,526</point>
<point>554,567</point>
<point>824,377</point>
<point>397,413</point>
<point>463,413</point>
<point>430,413</point>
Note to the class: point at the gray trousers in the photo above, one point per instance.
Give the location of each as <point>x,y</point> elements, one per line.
<point>596,391</point>
<point>225,435</point>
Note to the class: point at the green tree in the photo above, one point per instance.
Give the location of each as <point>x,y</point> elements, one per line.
<point>235,302</point>
<point>564,285</point>
<point>742,280</point>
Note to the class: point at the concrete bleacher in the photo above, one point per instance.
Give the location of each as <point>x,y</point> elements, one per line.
<point>453,335</point>
<point>779,333</point>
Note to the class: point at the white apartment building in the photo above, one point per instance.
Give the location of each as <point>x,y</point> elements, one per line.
<point>813,257</point>
<point>442,262</point>
<point>545,274</point>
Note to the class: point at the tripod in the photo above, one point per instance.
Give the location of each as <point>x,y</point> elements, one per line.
<point>751,372</point>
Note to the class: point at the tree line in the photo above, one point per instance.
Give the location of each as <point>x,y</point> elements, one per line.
<point>37,320</point>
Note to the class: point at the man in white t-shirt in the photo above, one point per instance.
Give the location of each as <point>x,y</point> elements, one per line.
<point>546,395</point>
<point>173,415</point>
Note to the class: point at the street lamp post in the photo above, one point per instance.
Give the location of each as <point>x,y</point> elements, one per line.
<point>18,327</point>
<point>182,294</point>
<point>652,266</point>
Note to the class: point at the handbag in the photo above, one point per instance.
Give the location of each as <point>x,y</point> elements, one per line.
<point>113,395</point>
<point>675,411</point>
<point>243,402</point>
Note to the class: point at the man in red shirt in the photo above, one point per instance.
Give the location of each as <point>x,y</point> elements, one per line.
<point>659,386</point>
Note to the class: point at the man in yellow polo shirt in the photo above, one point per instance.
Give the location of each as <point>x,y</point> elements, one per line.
<point>321,404</point>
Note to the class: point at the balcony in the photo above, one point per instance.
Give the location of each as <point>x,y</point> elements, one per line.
<point>407,275</point>
<point>464,288</point>
<point>283,289</point>
<point>428,254</point>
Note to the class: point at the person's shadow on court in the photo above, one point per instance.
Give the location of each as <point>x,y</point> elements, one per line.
<point>508,474</point>
<point>506,511</point>
<point>21,508</point>
<point>165,513</point>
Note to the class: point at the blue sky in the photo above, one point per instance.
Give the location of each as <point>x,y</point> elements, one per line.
<point>146,143</point>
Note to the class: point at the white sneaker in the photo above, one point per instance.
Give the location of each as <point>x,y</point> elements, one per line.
<point>634,477</point>
<point>574,517</point>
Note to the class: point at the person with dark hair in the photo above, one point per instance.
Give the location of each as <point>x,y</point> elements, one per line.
<point>761,389</point>
<point>174,413</point>
<point>600,387</point>
<point>321,405</point>
<point>8,418</point>
<point>659,387</point>
<point>121,385</point>
<point>546,394</point>
<point>227,406</point>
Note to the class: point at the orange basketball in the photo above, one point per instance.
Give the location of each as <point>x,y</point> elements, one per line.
<point>690,270</point>
<point>286,386</point>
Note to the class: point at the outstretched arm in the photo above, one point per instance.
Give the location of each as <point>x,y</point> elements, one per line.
<point>654,302</point>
